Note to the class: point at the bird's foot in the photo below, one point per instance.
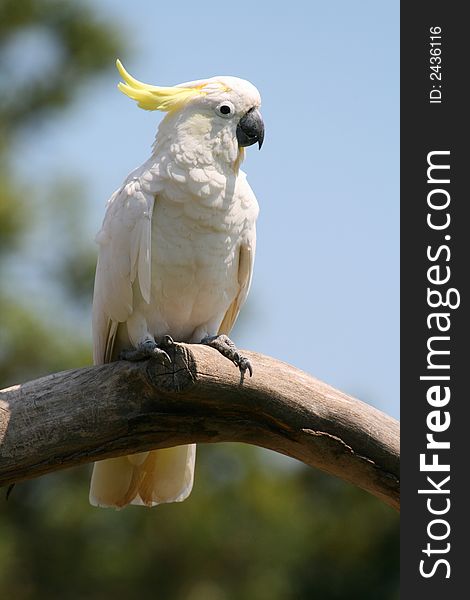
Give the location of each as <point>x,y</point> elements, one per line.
<point>149,349</point>
<point>167,341</point>
<point>227,348</point>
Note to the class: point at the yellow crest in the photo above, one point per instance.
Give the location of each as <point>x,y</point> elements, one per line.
<point>153,97</point>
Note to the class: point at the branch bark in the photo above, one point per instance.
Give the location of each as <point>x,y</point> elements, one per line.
<point>83,415</point>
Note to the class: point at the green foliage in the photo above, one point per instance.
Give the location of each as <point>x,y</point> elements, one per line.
<point>250,530</point>
<point>77,47</point>
<point>83,46</point>
<point>255,527</point>
<point>29,345</point>
<point>12,221</point>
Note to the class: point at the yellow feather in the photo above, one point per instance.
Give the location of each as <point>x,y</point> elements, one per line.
<point>152,97</point>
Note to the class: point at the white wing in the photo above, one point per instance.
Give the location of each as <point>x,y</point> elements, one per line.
<point>246,256</point>
<point>124,256</point>
<point>245,270</point>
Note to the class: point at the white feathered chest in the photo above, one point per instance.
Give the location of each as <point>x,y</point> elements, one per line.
<point>201,218</point>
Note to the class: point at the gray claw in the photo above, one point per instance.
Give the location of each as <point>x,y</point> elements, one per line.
<point>245,365</point>
<point>145,350</point>
<point>227,348</point>
<point>167,341</point>
<point>161,356</point>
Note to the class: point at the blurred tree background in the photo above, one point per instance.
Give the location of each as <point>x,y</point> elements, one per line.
<point>257,526</point>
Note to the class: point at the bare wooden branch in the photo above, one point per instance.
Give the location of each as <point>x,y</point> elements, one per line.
<point>89,414</point>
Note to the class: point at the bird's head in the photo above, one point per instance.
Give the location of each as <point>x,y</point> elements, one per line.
<point>216,117</point>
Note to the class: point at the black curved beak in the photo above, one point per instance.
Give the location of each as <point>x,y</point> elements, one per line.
<point>250,129</point>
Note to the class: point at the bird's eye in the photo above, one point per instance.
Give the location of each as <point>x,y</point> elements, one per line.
<point>225,109</point>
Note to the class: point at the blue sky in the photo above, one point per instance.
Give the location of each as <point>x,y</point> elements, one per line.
<point>325,293</point>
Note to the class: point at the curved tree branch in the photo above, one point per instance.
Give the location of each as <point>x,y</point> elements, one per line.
<point>89,414</point>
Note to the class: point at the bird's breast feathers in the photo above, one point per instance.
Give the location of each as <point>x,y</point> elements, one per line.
<point>200,220</point>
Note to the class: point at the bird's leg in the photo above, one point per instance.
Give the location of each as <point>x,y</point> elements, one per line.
<point>148,348</point>
<point>227,348</point>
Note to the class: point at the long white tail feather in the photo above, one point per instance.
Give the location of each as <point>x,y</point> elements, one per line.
<point>110,481</point>
<point>145,479</point>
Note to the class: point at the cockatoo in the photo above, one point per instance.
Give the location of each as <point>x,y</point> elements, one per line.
<point>176,252</point>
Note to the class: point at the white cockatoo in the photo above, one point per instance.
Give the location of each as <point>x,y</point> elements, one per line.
<point>176,253</point>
